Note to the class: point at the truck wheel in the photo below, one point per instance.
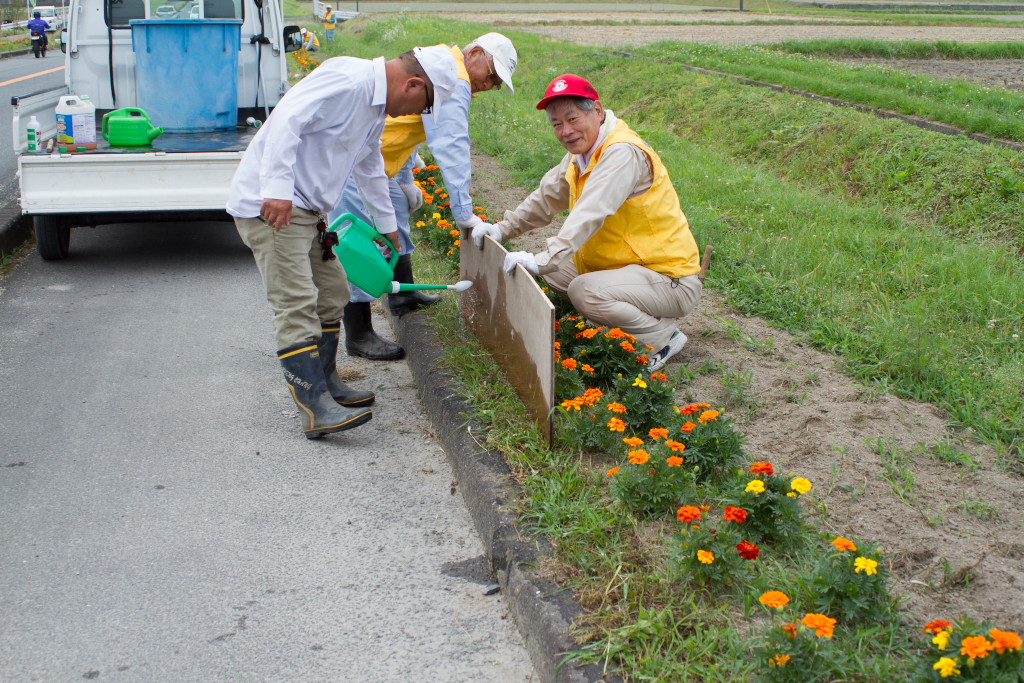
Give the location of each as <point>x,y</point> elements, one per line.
<point>53,237</point>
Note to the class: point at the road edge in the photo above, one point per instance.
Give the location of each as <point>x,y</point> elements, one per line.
<point>15,228</point>
<point>543,611</point>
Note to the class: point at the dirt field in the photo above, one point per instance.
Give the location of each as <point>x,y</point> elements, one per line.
<point>956,536</point>
<point>998,73</point>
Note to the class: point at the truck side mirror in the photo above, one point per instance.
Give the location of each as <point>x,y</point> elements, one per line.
<point>64,40</point>
<point>292,38</point>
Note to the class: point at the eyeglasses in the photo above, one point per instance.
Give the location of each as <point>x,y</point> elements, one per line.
<point>494,77</point>
<point>430,97</point>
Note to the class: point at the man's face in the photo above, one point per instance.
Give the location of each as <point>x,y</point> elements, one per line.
<point>480,66</point>
<point>413,96</point>
<point>576,129</point>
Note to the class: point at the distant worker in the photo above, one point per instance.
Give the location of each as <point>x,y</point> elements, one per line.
<point>485,64</point>
<point>292,173</point>
<point>309,41</point>
<point>625,255</point>
<point>40,25</point>
<point>329,22</point>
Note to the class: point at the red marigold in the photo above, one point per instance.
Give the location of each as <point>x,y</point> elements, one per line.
<point>934,626</point>
<point>748,551</point>
<point>762,468</point>
<point>735,514</point>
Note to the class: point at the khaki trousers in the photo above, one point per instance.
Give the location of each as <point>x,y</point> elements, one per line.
<point>305,291</point>
<point>635,299</point>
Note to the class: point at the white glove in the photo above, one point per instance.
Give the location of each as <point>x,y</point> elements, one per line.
<point>419,161</point>
<point>413,195</point>
<point>525,258</point>
<point>479,230</point>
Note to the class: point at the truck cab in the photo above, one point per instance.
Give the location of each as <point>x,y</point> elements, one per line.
<point>182,174</point>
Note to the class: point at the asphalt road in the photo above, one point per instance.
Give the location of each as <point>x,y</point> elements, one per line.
<point>165,520</point>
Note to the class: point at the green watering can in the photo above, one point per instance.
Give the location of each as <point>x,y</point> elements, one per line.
<point>366,267</point>
<point>129,127</point>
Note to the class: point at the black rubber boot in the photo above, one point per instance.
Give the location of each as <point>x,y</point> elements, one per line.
<point>405,302</point>
<point>361,340</point>
<point>341,392</point>
<point>319,412</point>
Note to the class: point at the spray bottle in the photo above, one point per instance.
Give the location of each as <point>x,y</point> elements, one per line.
<point>33,134</point>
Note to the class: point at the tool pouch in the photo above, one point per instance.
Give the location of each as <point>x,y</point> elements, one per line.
<point>328,239</point>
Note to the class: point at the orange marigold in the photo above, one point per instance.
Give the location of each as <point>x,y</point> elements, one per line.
<point>617,408</point>
<point>976,647</point>
<point>823,626</point>
<point>688,513</point>
<point>705,556</point>
<point>658,433</point>
<point>779,660</point>
<point>688,427</point>
<point>616,425</point>
<point>690,409</point>
<point>762,468</point>
<point>587,368</point>
<point>844,544</point>
<point>588,333</point>
<point>570,363</point>
<point>790,628</point>
<point>659,376</point>
<point>633,441</point>
<point>776,599</point>
<point>1004,641</point>
<point>674,461</point>
<point>676,446</point>
<point>627,346</point>
<point>639,456</point>
<point>735,514</point>
<point>613,471</point>
<point>708,416</point>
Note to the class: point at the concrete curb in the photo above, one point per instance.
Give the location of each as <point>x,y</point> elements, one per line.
<point>543,611</point>
<point>15,53</point>
<point>14,227</point>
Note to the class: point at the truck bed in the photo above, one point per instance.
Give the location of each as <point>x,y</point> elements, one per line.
<point>234,140</point>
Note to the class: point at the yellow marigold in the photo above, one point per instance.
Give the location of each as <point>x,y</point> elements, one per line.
<point>688,427</point>
<point>941,639</point>
<point>823,626</point>
<point>801,485</point>
<point>581,325</point>
<point>708,416</point>
<point>705,556</point>
<point>779,660</point>
<point>674,461</point>
<point>569,364</point>
<point>613,471</point>
<point>444,195</point>
<point>639,457</point>
<point>616,425</point>
<point>436,216</point>
<point>420,224</point>
<point>640,383</point>
<point>843,544</point>
<point>866,565</point>
<point>617,408</point>
<point>572,403</point>
<point>675,446</point>
<point>946,667</point>
<point>658,433</point>
<point>776,599</point>
<point>976,647</point>
<point>1004,641</point>
<point>633,441</point>
<point>756,486</point>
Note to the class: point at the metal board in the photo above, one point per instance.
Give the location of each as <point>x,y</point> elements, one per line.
<point>515,321</point>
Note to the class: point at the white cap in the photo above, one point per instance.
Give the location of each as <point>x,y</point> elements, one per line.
<point>302,30</point>
<point>439,65</point>
<point>504,54</point>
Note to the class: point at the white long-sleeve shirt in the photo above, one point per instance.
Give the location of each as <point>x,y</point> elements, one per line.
<point>324,130</point>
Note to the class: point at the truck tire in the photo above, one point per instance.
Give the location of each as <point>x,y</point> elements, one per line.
<point>53,237</point>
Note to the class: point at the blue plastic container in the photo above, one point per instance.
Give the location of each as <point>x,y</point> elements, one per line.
<point>187,72</point>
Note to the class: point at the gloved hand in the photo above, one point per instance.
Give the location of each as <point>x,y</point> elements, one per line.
<point>419,161</point>
<point>479,230</point>
<point>413,195</point>
<point>525,258</point>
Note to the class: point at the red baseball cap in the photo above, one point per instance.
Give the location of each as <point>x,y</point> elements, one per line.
<point>568,85</point>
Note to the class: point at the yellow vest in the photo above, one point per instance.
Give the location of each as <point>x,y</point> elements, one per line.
<point>403,133</point>
<point>649,229</point>
<point>329,19</point>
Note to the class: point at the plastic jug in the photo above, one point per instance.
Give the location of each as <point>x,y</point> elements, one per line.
<point>76,121</point>
<point>366,267</point>
<point>129,127</point>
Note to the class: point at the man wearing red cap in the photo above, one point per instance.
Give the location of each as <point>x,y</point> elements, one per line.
<point>625,255</point>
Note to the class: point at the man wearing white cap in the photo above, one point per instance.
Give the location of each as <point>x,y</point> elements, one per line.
<point>485,64</point>
<point>325,130</point>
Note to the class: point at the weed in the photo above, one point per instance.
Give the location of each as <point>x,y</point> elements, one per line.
<point>979,509</point>
<point>896,464</point>
<point>948,451</point>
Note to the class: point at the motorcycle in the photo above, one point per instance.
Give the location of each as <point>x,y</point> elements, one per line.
<point>39,43</point>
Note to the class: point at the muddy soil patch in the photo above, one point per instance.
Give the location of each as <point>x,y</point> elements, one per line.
<point>880,464</point>
<point>997,73</point>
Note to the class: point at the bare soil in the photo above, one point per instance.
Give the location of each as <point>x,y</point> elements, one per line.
<point>955,534</point>
<point>996,73</point>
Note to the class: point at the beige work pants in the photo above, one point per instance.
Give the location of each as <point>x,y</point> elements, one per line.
<point>305,291</point>
<point>635,299</point>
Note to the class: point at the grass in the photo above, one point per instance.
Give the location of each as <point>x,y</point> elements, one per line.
<point>903,49</point>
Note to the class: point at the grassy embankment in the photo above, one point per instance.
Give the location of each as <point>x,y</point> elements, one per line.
<point>922,301</point>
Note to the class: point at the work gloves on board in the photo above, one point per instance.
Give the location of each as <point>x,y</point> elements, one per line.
<point>479,230</point>
<point>523,258</point>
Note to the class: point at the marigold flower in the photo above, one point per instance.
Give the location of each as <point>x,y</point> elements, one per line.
<point>593,395</point>
<point>633,441</point>
<point>735,514</point>
<point>588,334</point>
<point>658,433</point>
<point>458,243</point>
<point>748,551</point>
<point>478,208</point>
<point>762,468</point>
<point>688,513</point>
<point>675,446</point>
<point>790,628</point>
<point>690,409</point>
<point>617,408</point>
<point>639,457</point>
<point>866,565</point>
<point>779,660</point>
<point>613,471</point>
<point>756,486</point>
<point>482,216</point>
<point>570,364</point>
<point>823,626</point>
<point>659,376</point>
<point>581,325</point>
<point>937,625</point>
<point>428,200</point>
<point>616,425</point>
<point>445,224</point>
<point>688,427</point>
<point>436,216</point>
<point>801,485</point>
<point>453,233</point>
<point>629,348</point>
<point>976,647</point>
<point>640,383</point>
<point>587,368</point>
<point>616,333</point>
<point>1004,641</point>
<point>420,224</point>
<point>941,639</point>
<point>708,416</point>
<point>946,667</point>
<point>776,599</point>
<point>844,544</point>
<point>674,461</point>
<point>705,556</point>
<point>792,494</point>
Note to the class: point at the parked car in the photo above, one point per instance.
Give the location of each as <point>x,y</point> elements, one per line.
<point>166,12</point>
<point>194,12</point>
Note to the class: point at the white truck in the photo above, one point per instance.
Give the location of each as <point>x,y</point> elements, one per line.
<point>181,175</point>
